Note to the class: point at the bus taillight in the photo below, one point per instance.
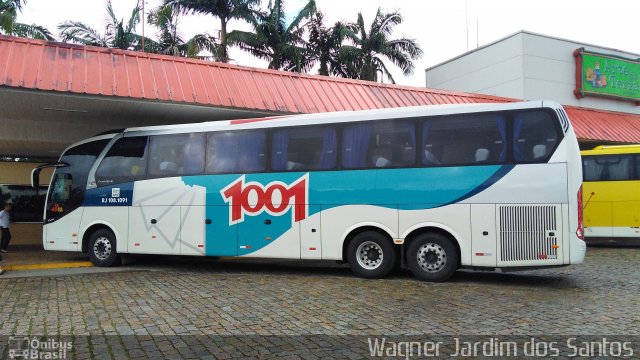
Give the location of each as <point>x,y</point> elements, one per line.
<point>580,229</point>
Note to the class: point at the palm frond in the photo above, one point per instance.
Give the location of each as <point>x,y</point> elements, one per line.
<point>134,20</point>
<point>81,33</point>
<point>384,23</point>
<point>380,66</point>
<point>7,21</point>
<point>32,31</point>
<point>408,46</point>
<point>306,12</point>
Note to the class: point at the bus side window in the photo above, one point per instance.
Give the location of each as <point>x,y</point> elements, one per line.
<point>392,144</point>
<point>236,151</point>
<point>126,161</point>
<point>534,136</point>
<point>608,167</point>
<point>591,170</point>
<point>464,140</point>
<point>61,187</point>
<point>176,155</point>
<point>355,145</point>
<point>303,148</point>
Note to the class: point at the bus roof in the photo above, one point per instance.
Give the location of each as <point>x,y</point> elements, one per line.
<point>345,116</point>
<point>612,149</point>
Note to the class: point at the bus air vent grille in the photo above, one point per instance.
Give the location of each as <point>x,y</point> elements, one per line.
<point>528,232</point>
<point>564,120</point>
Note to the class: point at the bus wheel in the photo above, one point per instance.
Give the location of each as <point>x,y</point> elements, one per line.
<point>102,248</point>
<point>432,257</point>
<point>371,255</point>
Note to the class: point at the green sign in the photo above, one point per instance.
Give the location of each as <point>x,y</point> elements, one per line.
<point>607,75</point>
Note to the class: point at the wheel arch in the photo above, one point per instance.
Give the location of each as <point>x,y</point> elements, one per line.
<point>410,234</point>
<point>92,228</point>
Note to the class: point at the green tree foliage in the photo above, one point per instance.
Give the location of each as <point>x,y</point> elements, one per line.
<point>117,33</point>
<point>364,58</point>
<point>325,44</point>
<point>225,11</point>
<point>170,41</point>
<point>9,25</point>
<point>282,45</point>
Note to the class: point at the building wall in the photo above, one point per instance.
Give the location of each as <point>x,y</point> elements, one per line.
<point>495,70</point>
<point>547,70</point>
<point>19,173</point>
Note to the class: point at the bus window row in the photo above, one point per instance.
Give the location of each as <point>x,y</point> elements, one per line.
<point>527,137</point>
<point>611,167</point>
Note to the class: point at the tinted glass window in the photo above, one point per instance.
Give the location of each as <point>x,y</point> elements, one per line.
<point>303,148</point>
<point>471,139</point>
<point>535,136</point>
<point>236,151</point>
<point>28,204</point>
<point>606,168</point>
<point>126,161</point>
<point>378,145</point>
<point>176,155</point>
<point>70,182</point>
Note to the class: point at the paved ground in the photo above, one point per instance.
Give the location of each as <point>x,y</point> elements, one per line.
<point>304,305</point>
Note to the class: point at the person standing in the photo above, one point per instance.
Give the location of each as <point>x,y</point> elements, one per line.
<point>5,219</point>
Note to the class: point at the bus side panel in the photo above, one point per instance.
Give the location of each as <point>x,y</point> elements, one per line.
<point>483,235</point>
<point>530,223</point>
<point>612,208</point>
<point>62,234</point>
<point>156,217</point>
<point>192,230</point>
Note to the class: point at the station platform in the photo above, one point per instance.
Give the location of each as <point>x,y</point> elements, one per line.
<point>34,257</point>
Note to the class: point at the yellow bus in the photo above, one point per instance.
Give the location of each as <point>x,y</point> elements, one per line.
<point>611,191</point>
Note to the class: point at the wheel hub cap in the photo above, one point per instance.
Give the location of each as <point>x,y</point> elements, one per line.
<point>432,257</point>
<point>369,255</point>
<point>102,248</point>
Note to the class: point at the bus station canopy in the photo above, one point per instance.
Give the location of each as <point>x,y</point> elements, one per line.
<point>53,94</point>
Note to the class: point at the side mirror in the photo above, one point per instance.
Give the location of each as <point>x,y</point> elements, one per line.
<point>35,173</point>
<point>35,177</point>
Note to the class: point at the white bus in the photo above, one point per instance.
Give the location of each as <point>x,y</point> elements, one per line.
<point>432,188</point>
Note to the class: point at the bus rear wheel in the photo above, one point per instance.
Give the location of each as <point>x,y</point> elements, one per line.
<point>102,248</point>
<point>432,257</point>
<point>371,255</point>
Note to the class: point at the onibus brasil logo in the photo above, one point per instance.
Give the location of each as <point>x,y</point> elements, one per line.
<point>276,198</point>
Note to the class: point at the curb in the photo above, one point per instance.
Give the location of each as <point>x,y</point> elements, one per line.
<point>73,264</point>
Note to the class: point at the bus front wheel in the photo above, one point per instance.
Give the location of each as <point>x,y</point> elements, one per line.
<point>371,255</point>
<point>102,248</point>
<point>432,257</point>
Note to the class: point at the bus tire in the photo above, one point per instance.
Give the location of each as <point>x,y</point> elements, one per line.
<point>432,257</point>
<point>371,255</point>
<point>102,248</point>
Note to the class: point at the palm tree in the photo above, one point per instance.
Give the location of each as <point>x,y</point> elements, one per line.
<point>272,40</point>
<point>325,44</point>
<point>225,10</point>
<point>364,60</point>
<point>166,19</point>
<point>117,33</point>
<point>9,10</point>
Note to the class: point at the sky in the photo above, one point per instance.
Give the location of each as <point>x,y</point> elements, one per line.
<point>443,28</point>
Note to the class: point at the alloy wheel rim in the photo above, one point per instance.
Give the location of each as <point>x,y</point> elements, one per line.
<point>369,255</point>
<point>432,257</point>
<point>102,248</point>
